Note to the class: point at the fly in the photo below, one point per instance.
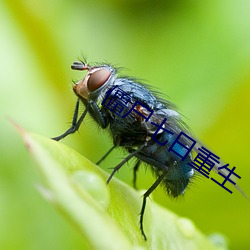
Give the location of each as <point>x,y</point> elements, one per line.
<point>139,121</point>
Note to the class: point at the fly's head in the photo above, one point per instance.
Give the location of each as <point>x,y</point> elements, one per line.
<point>95,80</point>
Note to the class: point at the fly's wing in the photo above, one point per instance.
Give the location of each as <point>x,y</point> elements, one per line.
<point>176,125</point>
<point>224,171</point>
<point>173,121</point>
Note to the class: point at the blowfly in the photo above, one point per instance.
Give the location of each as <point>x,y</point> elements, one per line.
<point>148,127</point>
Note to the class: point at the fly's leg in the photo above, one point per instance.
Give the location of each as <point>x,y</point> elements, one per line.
<point>97,114</point>
<point>105,155</point>
<point>124,161</point>
<point>75,124</point>
<point>145,196</point>
<point>135,169</point>
<point>93,109</point>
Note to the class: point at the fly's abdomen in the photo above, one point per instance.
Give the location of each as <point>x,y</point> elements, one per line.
<point>164,160</point>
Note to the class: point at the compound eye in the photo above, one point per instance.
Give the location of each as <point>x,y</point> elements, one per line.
<point>97,79</point>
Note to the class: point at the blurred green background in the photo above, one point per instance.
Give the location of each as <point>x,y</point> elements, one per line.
<point>195,52</point>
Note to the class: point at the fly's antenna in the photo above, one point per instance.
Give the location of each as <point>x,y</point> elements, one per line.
<point>80,66</point>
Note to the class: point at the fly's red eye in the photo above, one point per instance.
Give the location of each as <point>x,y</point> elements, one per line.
<point>97,79</point>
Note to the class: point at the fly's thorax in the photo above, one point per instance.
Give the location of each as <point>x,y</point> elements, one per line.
<point>95,81</point>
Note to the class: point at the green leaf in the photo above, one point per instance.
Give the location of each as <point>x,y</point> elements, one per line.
<point>107,215</point>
